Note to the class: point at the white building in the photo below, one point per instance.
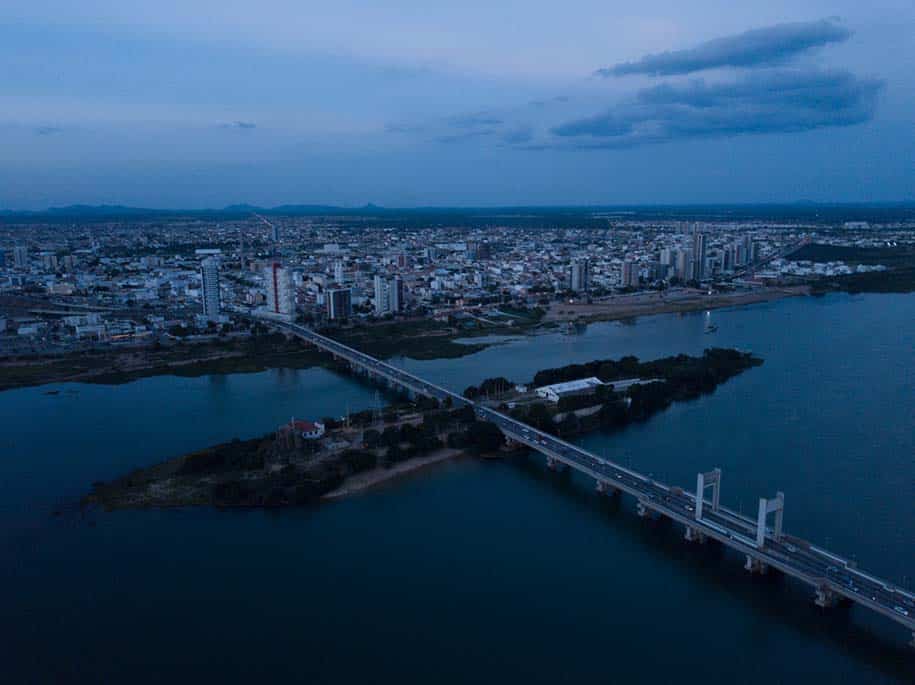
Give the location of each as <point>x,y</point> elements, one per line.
<point>580,275</point>
<point>389,295</point>
<point>209,274</point>
<point>557,391</point>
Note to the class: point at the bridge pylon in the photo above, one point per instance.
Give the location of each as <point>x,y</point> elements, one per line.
<point>709,479</point>
<point>766,507</point>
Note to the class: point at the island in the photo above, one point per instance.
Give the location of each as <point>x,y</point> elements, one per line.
<point>303,461</point>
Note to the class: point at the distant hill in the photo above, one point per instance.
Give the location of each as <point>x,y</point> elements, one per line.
<point>583,215</point>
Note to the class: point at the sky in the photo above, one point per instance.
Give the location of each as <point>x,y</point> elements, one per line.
<point>206,103</point>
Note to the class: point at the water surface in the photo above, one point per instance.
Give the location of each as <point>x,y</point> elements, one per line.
<point>475,571</point>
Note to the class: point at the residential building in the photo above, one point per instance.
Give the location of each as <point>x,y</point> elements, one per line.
<point>21,257</point>
<point>339,304</point>
<point>209,274</point>
<point>580,275</point>
<point>280,293</point>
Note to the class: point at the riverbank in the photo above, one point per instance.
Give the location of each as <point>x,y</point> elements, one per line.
<point>116,365</point>
<point>380,476</point>
<point>417,339</point>
<point>122,365</point>
<point>664,302</point>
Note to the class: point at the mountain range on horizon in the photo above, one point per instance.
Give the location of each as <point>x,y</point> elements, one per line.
<point>368,209</point>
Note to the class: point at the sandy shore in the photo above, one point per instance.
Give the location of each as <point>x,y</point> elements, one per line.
<point>645,304</point>
<point>369,479</point>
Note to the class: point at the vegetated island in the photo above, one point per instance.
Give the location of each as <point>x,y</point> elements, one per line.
<point>303,462</point>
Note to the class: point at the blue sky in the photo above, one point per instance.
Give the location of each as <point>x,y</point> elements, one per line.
<point>203,103</point>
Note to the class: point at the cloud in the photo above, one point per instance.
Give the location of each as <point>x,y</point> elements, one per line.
<point>242,125</point>
<point>453,129</point>
<point>468,121</point>
<point>466,135</point>
<point>518,135</point>
<point>775,101</point>
<point>765,46</point>
<point>47,130</point>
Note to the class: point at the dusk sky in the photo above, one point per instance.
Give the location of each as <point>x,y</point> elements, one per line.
<point>205,103</point>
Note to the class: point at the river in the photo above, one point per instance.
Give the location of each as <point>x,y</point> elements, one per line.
<point>485,571</point>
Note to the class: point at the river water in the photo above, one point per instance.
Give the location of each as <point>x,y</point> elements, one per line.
<point>483,571</point>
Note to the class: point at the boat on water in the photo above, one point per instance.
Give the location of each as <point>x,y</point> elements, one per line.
<point>711,328</point>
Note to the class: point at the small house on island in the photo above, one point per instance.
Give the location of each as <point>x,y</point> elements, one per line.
<point>303,429</point>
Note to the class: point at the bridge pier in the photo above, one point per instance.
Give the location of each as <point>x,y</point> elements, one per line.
<point>754,566</point>
<point>693,535</point>
<point>642,510</point>
<point>825,597</point>
<point>554,464</point>
<point>604,487</point>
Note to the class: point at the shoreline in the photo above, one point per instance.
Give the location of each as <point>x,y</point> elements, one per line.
<point>124,366</point>
<point>368,480</point>
<point>655,303</point>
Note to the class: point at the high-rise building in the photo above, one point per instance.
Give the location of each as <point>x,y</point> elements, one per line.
<point>280,294</point>
<point>396,297</point>
<point>381,296</point>
<point>686,266</point>
<point>629,276</point>
<point>339,272</point>
<point>699,255</point>
<point>389,295</point>
<point>580,275</point>
<point>339,304</point>
<point>49,261</point>
<point>478,250</point>
<point>21,257</point>
<point>209,276</point>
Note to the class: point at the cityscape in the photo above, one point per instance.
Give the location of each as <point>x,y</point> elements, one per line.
<point>457,342</point>
<point>139,281</point>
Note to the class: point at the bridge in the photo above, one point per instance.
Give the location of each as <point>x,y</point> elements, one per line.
<point>834,579</point>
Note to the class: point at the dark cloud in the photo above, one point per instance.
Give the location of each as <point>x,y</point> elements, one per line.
<point>466,135</point>
<point>760,102</point>
<point>766,46</point>
<point>518,135</point>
